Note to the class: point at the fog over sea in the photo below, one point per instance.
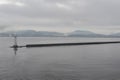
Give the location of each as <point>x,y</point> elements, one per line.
<point>83,62</point>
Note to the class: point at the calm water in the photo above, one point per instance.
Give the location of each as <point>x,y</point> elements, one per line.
<point>88,62</point>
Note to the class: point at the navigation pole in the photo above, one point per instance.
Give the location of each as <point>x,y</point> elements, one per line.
<point>15,46</point>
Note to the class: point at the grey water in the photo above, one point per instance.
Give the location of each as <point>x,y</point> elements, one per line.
<point>86,62</point>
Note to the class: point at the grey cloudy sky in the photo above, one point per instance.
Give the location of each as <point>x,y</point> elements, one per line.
<point>102,16</point>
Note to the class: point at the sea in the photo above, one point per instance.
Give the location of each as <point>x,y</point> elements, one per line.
<point>81,62</point>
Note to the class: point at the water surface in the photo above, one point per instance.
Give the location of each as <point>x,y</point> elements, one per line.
<point>86,62</point>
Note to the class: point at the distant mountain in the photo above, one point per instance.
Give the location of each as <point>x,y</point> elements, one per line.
<point>115,34</point>
<point>80,33</point>
<point>77,33</point>
<point>31,33</point>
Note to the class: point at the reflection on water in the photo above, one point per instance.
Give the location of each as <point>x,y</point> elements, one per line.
<point>93,62</point>
<point>15,50</point>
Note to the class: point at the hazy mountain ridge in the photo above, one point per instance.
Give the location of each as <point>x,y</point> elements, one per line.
<point>80,33</point>
<point>31,33</point>
<point>116,34</point>
<point>77,33</point>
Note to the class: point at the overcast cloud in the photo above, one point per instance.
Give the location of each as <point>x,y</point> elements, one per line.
<point>101,16</point>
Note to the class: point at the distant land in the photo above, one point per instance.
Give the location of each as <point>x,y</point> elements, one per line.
<point>31,33</point>
<point>80,33</point>
<point>77,33</point>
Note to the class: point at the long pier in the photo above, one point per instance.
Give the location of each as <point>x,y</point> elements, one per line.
<point>68,44</point>
<point>15,46</point>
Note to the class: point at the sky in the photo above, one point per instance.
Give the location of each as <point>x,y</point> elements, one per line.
<point>100,16</point>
